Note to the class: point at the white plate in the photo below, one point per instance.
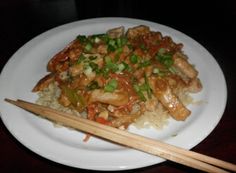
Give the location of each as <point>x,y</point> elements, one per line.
<point>65,146</point>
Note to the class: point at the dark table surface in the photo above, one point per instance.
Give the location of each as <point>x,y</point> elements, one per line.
<point>213,25</point>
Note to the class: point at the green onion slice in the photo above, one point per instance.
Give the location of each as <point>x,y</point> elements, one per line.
<point>111,85</point>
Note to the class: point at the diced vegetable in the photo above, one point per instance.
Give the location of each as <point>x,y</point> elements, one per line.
<point>109,66</point>
<point>111,85</point>
<point>165,57</point>
<point>121,67</point>
<point>93,85</point>
<point>172,69</point>
<point>75,99</point>
<point>127,67</point>
<point>81,58</point>
<point>143,88</point>
<point>92,58</point>
<point>82,38</point>
<point>144,63</point>
<point>94,66</point>
<point>158,72</point>
<point>134,59</point>
<point>97,40</point>
<point>102,120</point>
<point>88,70</point>
<point>116,43</point>
<point>88,47</point>
<point>143,47</point>
<point>139,92</point>
<point>148,88</point>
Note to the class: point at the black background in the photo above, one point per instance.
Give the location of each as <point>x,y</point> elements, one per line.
<point>212,24</point>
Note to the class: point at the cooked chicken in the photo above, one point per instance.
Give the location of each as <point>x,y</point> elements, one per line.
<point>181,62</point>
<point>44,82</point>
<point>117,98</point>
<point>137,31</point>
<point>169,100</point>
<point>116,32</point>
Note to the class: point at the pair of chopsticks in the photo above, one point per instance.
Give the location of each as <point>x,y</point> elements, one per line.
<point>151,146</point>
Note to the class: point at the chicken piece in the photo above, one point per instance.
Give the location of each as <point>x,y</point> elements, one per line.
<point>80,82</point>
<point>176,83</point>
<point>116,98</point>
<point>139,73</point>
<point>57,60</point>
<point>102,49</point>
<point>71,51</point>
<point>116,32</point>
<point>148,70</point>
<point>63,100</point>
<point>137,31</point>
<point>194,86</point>
<point>151,104</point>
<point>44,82</point>
<point>181,63</point>
<point>170,101</point>
<point>125,120</point>
<point>76,69</point>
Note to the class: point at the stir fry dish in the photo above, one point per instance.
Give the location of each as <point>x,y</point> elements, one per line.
<point>116,77</point>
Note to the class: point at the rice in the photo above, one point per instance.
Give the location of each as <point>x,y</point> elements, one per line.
<point>155,115</point>
<point>48,97</point>
<point>158,116</point>
<point>156,119</point>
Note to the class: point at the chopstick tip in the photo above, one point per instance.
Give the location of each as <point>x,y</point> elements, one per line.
<point>10,101</point>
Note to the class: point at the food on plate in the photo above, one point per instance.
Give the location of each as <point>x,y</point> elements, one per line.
<point>119,78</point>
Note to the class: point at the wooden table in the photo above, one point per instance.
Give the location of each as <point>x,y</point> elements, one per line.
<point>212,25</point>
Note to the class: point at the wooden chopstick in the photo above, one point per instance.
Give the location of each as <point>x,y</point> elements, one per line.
<point>151,146</point>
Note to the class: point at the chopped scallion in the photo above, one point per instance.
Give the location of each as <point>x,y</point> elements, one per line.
<point>88,47</point>
<point>97,40</point>
<point>139,92</point>
<point>144,63</point>
<point>81,58</point>
<point>111,85</point>
<point>172,69</point>
<point>156,70</point>
<point>88,70</point>
<point>143,47</point>
<point>127,67</point>
<point>148,88</point>
<point>94,66</point>
<point>119,50</point>
<point>165,58</point>
<point>118,42</point>
<point>82,38</point>
<point>92,58</point>
<point>111,48</point>
<point>92,85</point>
<point>124,41</point>
<point>112,42</point>
<point>121,67</point>
<point>133,59</point>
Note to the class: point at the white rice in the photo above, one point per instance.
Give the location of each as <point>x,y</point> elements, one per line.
<point>156,119</point>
